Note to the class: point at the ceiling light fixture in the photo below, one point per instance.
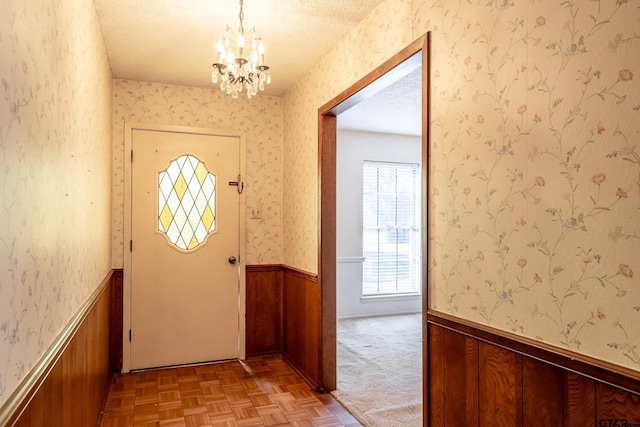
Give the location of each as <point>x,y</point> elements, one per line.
<point>240,66</point>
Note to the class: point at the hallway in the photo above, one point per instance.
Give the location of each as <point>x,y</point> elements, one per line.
<point>257,392</point>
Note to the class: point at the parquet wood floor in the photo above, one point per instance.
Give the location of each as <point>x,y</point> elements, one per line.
<point>256,392</point>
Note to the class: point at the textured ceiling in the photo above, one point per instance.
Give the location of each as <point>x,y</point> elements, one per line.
<point>173,41</point>
<point>396,109</point>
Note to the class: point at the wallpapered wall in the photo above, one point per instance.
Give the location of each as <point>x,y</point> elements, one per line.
<point>55,174</point>
<point>382,34</point>
<point>535,185</point>
<point>261,119</point>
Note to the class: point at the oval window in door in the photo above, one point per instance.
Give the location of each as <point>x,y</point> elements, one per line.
<point>186,202</point>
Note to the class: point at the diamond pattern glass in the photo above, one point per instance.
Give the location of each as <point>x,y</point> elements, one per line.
<point>186,202</point>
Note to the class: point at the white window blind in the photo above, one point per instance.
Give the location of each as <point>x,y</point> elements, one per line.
<point>391,228</point>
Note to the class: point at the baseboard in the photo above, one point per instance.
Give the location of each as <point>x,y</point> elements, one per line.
<point>360,316</point>
<point>259,354</point>
<point>300,371</point>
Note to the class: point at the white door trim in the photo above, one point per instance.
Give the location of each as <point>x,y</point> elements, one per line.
<point>126,299</point>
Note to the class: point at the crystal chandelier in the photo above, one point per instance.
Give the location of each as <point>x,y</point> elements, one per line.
<point>240,63</point>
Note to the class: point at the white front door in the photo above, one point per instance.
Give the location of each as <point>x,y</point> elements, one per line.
<point>185,288</point>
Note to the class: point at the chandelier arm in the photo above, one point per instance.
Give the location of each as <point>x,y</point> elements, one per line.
<point>237,70</point>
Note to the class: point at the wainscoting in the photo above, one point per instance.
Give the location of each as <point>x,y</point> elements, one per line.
<point>69,387</point>
<point>479,377</point>
<point>475,375</point>
<point>69,384</point>
<point>283,317</point>
<point>264,310</point>
<point>302,336</point>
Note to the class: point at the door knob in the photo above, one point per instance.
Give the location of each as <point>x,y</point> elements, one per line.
<point>232,260</point>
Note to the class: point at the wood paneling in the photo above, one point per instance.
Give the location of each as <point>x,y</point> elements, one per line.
<point>284,317</point>
<point>115,340</point>
<point>477,379</point>
<point>500,386</point>
<point>302,324</point>
<point>461,407</point>
<point>615,407</point>
<point>435,380</point>
<point>72,389</point>
<point>579,401</point>
<point>541,385</point>
<point>600,370</point>
<point>55,396</point>
<point>453,380</point>
<point>264,310</point>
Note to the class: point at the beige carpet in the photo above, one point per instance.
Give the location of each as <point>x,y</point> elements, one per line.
<point>380,369</point>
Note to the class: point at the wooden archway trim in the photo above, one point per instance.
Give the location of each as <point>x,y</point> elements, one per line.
<point>391,70</point>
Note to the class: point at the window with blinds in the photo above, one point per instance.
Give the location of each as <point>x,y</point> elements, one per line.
<point>391,228</point>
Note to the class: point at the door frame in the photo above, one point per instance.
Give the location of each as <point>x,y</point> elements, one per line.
<point>392,70</point>
<point>129,128</point>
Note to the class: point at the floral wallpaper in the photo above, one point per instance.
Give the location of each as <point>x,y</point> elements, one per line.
<point>535,176</point>
<point>535,173</point>
<point>383,34</point>
<point>55,174</point>
<point>261,119</point>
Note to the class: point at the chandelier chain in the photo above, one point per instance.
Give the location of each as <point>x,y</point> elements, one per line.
<point>241,16</point>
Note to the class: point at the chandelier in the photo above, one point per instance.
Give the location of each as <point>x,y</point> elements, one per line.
<point>240,63</point>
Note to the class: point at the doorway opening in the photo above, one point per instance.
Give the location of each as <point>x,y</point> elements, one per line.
<point>378,266</point>
<point>378,209</point>
<point>409,59</point>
